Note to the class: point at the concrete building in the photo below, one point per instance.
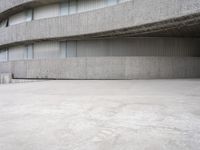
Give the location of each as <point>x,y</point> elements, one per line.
<point>100,39</point>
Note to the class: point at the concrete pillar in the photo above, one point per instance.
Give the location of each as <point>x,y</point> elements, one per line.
<point>5,78</point>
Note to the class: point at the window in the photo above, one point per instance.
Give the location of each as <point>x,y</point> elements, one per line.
<point>63,49</point>
<point>21,17</point>
<point>3,55</point>
<point>71,49</point>
<point>112,2</point>
<point>68,49</point>
<point>28,53</point>
<point>4,23</point>
<point>46,11</point>
<point>64,8</point>
<point>17,18</point>
<point>72,7</point>
<point>16,53</point>
<point>29,15</point>
<point>47,50</point>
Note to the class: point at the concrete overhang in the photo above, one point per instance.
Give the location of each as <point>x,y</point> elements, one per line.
<point>133,18</point>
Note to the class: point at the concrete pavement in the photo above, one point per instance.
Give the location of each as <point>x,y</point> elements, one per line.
<point>100,115</point>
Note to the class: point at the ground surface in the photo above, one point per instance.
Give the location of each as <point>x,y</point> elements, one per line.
<point>100,115</point>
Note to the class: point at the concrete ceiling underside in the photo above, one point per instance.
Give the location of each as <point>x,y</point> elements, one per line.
<point>187,26</point>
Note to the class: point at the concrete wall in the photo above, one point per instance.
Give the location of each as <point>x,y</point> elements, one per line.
<point>106,68</point>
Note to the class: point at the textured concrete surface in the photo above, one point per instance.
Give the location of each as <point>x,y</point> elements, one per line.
<point>128,17</point>
<point>5,78</point>
<point>105,68</point>
<point>100,115</point>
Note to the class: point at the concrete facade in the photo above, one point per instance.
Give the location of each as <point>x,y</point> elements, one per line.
<point>128,15</point>
<point>107,39</point>
<point>105,68</point>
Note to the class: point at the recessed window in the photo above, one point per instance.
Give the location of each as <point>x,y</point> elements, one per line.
<point>29,15</point>
<point>64,8</point>
<point>63,49</point>
<point>68,49</point>
<point>112,2</point>
<point>3,55</point>
<point>47,11</point>
<point>71,49</point>
<point>72,6</point>
<point>4,23</point>
<point>28,53</point>
<point>16,53</point>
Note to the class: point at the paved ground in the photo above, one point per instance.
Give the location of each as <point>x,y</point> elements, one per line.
<point>100,115</point>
